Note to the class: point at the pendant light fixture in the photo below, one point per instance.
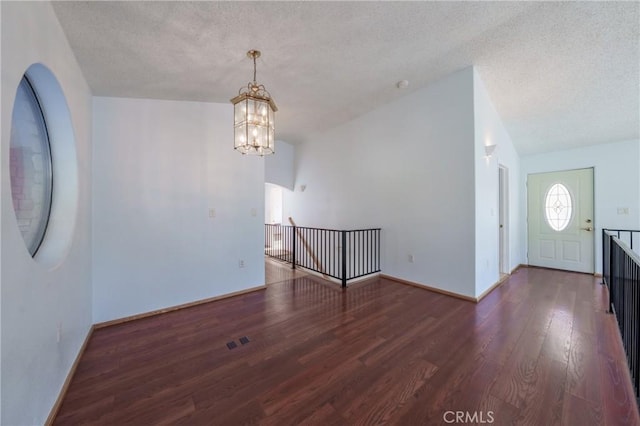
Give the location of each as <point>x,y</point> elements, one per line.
<point>254,117</point>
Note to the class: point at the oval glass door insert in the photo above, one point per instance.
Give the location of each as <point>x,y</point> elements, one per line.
<point>558,207</point>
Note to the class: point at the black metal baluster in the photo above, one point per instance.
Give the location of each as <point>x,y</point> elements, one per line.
<point>334,250</point>
<point>636,311</point>
<point>370,234</point>
<point>378,238</point>
<point>310,263</point>
<point>361,253</point>
<point>293,248</point>
<point>331,253</point>
<point>353,250</point>
<point>613,290</point>
<point>344,259</point>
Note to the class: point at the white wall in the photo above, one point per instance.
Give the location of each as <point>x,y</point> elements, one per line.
<point>489,130</point>
<point>279,167</point>
<point>159,167</point>
<point>273,204</point>
<point>616,181</point>
<point>2,172</point>
<point>407,167</point>
<point>37,298</point>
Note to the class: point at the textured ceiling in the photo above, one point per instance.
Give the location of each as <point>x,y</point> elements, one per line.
<point>560,74</point>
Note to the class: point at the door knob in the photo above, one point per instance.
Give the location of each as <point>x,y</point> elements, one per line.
<point>588,228</point>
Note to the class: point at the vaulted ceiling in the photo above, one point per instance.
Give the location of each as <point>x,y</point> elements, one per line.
<point>561,75</point>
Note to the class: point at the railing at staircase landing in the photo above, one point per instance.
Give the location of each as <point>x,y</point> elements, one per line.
<point>621,275</point>
<point>341,254</point>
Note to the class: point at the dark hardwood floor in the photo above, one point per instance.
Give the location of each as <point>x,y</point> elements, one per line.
<point>539,350</point>
<point>276,271</point>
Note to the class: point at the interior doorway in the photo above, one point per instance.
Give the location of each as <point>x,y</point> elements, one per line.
<point>503,220</point>
<point>275,270</point>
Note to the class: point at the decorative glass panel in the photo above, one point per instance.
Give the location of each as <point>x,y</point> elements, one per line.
<point>558,207</point>
<point>30,167</point>
<point>254,132</point>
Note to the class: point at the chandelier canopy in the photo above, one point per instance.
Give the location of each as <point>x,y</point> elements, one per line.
<point>254,117</point>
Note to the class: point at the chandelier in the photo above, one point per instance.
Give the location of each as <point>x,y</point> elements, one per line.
<point>254,117</point>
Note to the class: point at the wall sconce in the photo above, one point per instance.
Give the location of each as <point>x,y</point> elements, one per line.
<point>489,149</point>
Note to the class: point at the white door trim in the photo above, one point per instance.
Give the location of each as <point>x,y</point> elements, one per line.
<point>503,219</point>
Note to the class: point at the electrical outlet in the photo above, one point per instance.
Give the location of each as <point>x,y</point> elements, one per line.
<point>241,263</point>
<point>623,210</point>
<point>212,213</point>
<point>410,258</point>
<point>254,212</point>
<point>59,332</point>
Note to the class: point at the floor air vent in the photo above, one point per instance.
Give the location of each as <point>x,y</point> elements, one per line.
<point>243,340</point>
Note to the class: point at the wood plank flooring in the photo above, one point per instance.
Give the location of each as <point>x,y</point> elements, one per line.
<point>539,350</point>
<point>277,271</point>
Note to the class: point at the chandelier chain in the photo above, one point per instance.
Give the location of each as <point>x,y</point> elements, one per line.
<point>254,69</point>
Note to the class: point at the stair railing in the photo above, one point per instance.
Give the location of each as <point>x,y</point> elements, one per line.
<point>343,255</point>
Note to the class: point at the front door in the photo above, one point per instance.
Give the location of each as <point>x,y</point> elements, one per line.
<point>560,220</point>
